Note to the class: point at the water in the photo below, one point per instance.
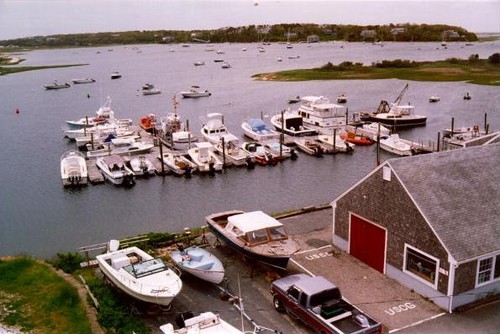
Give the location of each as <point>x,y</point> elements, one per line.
<point>39,217</point>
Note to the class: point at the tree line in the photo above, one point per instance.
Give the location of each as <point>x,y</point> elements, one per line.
<point>257,33</point>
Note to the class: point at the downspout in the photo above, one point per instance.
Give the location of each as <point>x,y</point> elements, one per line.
<point>334,207</point>
<point>451,281</point>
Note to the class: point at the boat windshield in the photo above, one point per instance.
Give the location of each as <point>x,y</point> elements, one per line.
<point>146,268</point>
<point>277,233</point>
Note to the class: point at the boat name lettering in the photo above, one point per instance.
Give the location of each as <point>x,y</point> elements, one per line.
<point>318,255</point>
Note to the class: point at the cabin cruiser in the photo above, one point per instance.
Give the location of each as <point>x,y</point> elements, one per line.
<point>319,113</point>
<point>292,124</point>
<point>195,91</point>
<point>214,128</point>
<point>258,130</point>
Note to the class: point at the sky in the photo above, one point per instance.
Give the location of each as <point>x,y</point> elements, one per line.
<point>25,18</point>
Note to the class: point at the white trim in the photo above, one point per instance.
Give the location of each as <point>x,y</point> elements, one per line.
<point>492,270</point>
<point>334,209</point>
<point>451,281</point>
<point>416,277</point>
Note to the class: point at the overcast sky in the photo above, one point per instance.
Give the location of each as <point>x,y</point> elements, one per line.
<point>22,18</point>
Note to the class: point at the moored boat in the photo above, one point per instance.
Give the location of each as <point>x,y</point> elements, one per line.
<point>214,128</point>
<point>231,152</point>
<point>140,275</point>
<point>335,144</point>
<point>114,170</point>
<point>396,145</point>
<point>73,169</point>
<point>178,163</point>
<point>148,123</point>
<point>141,166</point>
<point>56,85</point>
<point>258,130</point>
<point>255,235</point>
<point>292,124</point>
<point>195,91</point>
<point>204,158</point>
<point>115,75</point>
<point>83,81</point>
<point>434,98</point>
<point>199,262</point>
<point>279,150</point>
<point>258,153</point>
<point>150,89</point>
<point>355,138</point>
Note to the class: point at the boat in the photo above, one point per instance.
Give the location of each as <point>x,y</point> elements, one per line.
<point>56,85</point>
<point>339,144</point>
<point>204,158</point>
<point>258,130</point>
<point>150,89</point>
<point>86,122</point>
<point>319,113</point>
<point>279,150</point>
<point>204,323</point>
<point>83,81</point>
<point>171,128</point>
<point>73,169</point>
<point>141,166</point>
<point>310,146</point>
<point>355,138</point>
<point>396,145</point>
<point>140,275</point>
<point>115,75</point>
<point>114,170</point>
<point>342,98</point>
<point>467,96</point>
<point>199,63</point>
<point>293,125</point>
<point>226,65</point>
<point>199,263</point>
<point>128,149</point>
<point>148,123</point>
<point>434,98</point>
<point>258,153</point>
<point>370,130</point>
<point>214,128</point>
<point>195,91</point>
<point>294,100</point>
<point>178,164</point>
<point>473,131</point>
<point>255,235</point>
<point>231,152</point>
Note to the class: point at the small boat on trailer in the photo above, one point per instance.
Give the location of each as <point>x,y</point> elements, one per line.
<point>140,275</point>
<point>255,235</point>
<point>199,262</point>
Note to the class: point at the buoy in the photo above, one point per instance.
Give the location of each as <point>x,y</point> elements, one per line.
<point>88,96</point>
<point>17,111</point>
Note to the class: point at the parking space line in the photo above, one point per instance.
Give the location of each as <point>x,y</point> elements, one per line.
<point>417,323</point>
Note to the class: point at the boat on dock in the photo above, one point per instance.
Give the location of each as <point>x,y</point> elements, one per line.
<point>140,275</point>
<point>319,113</point>
<point>279,150</point>
<point>229,148</point>
<point>396,145</point>
<point>355,138</point>
<point>125,149</point>
<point>337,145</point>
<point>73,169</point>
<point>148,123</point>
<point>114,170</point>
<point>255,235</point>
<point>214,128</point>
<point>370,130</point>
<point>258,153</point>
<point>204,157</point>
<point>258,130</point>
<point>141,166</point>
<point>199,262</point>
<point>292,124</point>
<point>310,146</point>
<point>178,164</point>
<point>204,323</point>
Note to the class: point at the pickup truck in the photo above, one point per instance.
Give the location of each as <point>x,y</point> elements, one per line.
<point>319,304</point>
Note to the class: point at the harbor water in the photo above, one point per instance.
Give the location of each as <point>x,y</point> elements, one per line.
<point>39,217</point>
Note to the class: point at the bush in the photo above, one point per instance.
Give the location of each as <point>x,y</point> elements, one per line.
<point>69,262</point>
<point>494,58</point>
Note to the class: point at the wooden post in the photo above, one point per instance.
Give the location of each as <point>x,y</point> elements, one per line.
<point>262,115</point>
<point>334,141</point>
<point>92,140</point>
<point>439,141</point>
<point>161,159</point>
<point>346,116</point>
<point>378,144</point>
<point>223,142</point>
<point>452,125</point>
<point>486,122</point>
<point>85,126</point>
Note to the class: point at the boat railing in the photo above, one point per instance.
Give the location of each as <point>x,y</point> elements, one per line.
<point>174,286</point>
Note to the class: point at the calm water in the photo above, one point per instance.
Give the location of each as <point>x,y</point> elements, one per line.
<point>39,217</point>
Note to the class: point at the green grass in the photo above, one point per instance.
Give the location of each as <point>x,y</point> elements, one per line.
<point>4,70</point>
<point>480,72</point>
<point>37,298</point>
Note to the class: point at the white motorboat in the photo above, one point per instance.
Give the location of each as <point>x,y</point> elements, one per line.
<point>258,130</point>
<point>56,85</point>
<point>370,130</point>
<point>275,148</point>
<point>434,98</point>
<point>396,145</point>
<point>83,81</point>
<point>339,145</point>
<point>138,274</point>
<point>199,63</point>
<point>226,65</point>
<point>232,152</point>
<point>342,98</point>
<point>204,158</point>
<point>178,163</point>
<point>255,235</point>
<point>150,89</point>
<point>195,91</point>
<point>214,128</point>
<point>310,146</point>
<point>259,153</point>
<point>103,129</point>
<point>205,323</point>
<point>115,75</point>
<point>114,170</point>
<point>86,122</point>
<point>141,166</point>
<point>73,169</point>
<point>199,262</point>
<point>319,113</point>
<point>135,148</point>
<point>292,125</point>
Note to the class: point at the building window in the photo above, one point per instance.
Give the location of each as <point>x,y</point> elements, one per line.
<point>421,265</point>
<point>488,269</point>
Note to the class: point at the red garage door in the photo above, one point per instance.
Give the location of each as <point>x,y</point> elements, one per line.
<point>367,243</point>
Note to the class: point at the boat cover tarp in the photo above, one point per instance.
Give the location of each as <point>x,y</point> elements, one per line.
<point>253,221</point>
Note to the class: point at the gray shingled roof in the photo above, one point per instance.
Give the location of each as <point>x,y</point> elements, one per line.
<point>458,192</point>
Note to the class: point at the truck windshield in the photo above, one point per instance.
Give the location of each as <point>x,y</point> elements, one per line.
<point>324,296</point>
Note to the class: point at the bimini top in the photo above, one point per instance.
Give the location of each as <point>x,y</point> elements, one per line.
<point>253,221</point>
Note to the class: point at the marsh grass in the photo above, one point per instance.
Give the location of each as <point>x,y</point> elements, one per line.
<point>40,299</point>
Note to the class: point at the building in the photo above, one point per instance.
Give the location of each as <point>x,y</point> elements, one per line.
<point>432,222</point>
<point>313,39</point>
<point>368,34</point>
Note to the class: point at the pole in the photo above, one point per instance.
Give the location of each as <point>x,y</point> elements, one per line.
<point>334,149</point>
<point>223,142</point>
<point>486,122</point>
<point>439,141</point>
<point>161,159</point>
<point>378,144</point>
<point>452,125</point>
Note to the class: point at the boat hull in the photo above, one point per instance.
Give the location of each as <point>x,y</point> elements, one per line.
<point>199,263</point>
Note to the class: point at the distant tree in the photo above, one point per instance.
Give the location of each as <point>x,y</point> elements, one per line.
<point>494,58</point>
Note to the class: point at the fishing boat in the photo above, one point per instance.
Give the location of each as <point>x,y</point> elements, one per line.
<point>255,235</point>
<point>258,153</point>
<point>56,85</point>
<point>83,81</point>
<point>292,124</point>
<point>141,166</point>
<point>258,130</point>
<point>73,169</point>
<point>150,89</point>
<point>204,323</point>
<point>114,170</point>
<point>140,275</point>
<point>396,145</point>
<point>199,262</point>
<point>204,158</point>
<point>214,128</point>
<point>335,144</point>
<point>195,91</point>
<point>355,138</point>
<point>178,163</point>
<point>229,148</point>
<point>148,123</point>
<point>86,122</point>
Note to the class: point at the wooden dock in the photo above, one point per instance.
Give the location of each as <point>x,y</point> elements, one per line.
<point>95,176</point>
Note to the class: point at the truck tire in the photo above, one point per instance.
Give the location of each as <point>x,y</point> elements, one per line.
<point>278,305</point>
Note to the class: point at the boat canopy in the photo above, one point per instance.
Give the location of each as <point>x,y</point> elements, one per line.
<point>257,125</point>
<point>253,221</point>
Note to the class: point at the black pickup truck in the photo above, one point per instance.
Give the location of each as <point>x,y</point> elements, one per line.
<point>319,304</point>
